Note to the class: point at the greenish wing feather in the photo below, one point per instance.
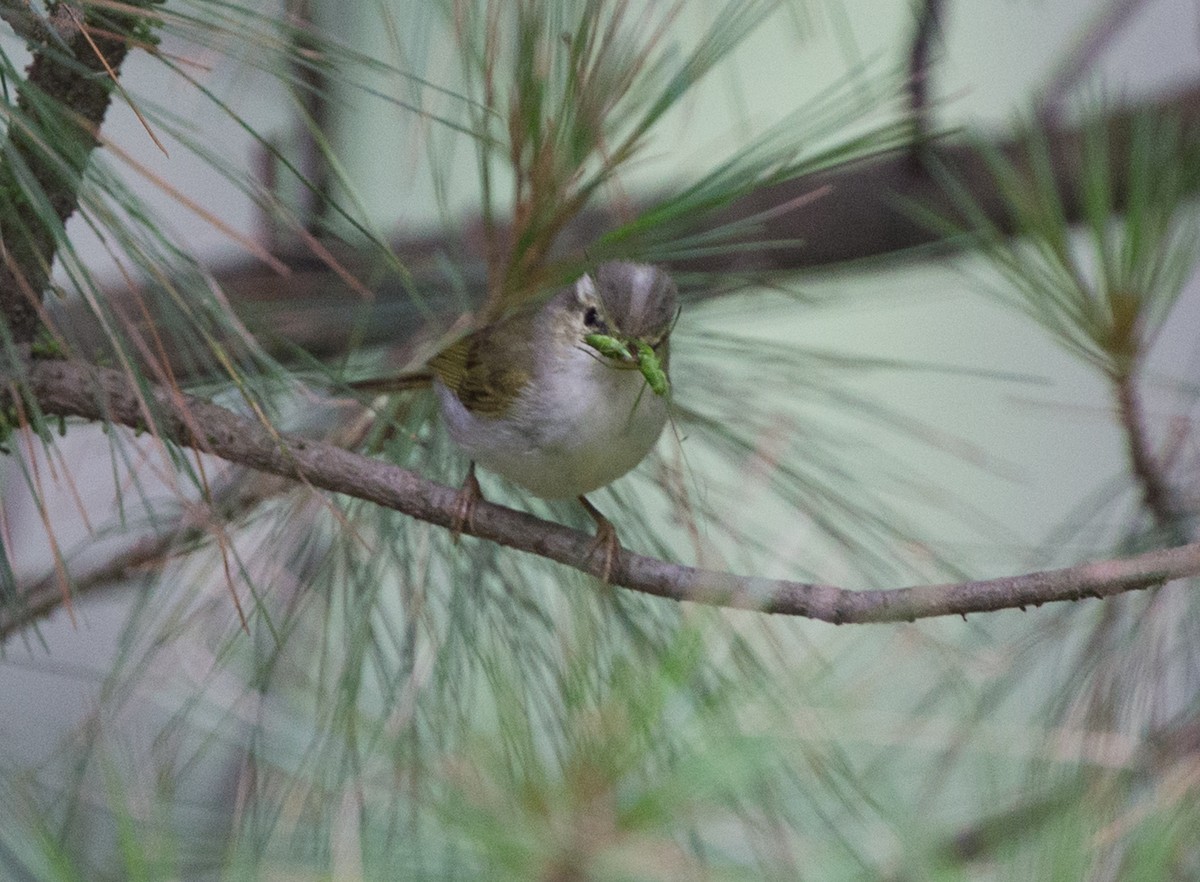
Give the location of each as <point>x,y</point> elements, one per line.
<point>450,365</point>
<point>480,373</point>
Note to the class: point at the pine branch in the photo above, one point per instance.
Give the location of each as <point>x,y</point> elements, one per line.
<point>77,389</point>
<point>77,56</point>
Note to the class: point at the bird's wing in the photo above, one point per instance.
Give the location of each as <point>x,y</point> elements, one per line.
<point>479,371</point>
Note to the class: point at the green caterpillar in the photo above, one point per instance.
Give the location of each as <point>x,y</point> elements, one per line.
<point>647,359</point>
<point>652,369</point>
<point>611,347</point>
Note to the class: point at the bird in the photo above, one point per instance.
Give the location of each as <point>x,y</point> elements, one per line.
<point>564,396</point>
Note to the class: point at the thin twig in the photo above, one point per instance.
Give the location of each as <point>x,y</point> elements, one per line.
<point>237,493</point>
<point>929,26</point>
<point>73,388</point>
<point>116,81</point>
<point>1083,58</point>
<point>312,93</point>
<point>44,596</point>
<point>1157,495</point>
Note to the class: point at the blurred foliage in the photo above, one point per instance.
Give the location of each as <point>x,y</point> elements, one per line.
<point>1103,291</point>
<point>313,688</point>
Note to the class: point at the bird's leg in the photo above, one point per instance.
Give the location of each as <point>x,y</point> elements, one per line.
<point>606,538</point>
<point>464,504</point>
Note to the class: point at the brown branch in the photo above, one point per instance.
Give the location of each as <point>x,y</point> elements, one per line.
<point>51,135</point>
<point>73,388</point>
<point>1157,495</point>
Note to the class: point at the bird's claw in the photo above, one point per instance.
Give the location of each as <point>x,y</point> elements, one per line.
<point>464,505</point>
<point>606,541</point>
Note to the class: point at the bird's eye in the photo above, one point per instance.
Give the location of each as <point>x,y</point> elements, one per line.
<point>591,318</point>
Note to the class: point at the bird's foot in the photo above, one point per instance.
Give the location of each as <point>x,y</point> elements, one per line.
<point>464,505</point>
<point>605,543</point>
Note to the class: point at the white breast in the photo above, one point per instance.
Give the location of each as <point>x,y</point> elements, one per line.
<point>586,424</point>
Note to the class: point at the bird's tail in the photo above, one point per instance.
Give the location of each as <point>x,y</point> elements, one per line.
<point>422,379</point>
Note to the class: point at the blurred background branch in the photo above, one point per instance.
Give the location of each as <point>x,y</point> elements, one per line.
<point>867,202</point>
